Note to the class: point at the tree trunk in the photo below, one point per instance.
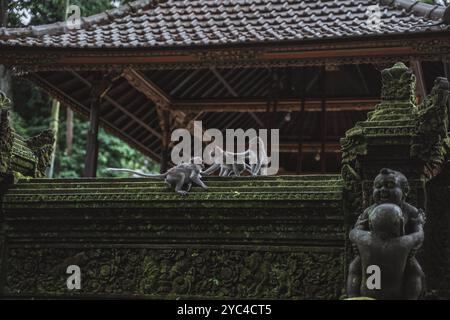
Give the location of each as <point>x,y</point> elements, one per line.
<point>69,131</point>
<point>4,13</point>
<point>69,111</point>
<point>54,125</point>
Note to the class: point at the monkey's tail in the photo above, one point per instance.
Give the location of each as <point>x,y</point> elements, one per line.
<point>154,176</point>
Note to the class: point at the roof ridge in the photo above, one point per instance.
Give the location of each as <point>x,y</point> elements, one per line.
<point>429,11</point>
<point>86,22</point>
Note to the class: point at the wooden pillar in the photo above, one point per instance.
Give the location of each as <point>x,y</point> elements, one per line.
<point>90,167</point>
<point>421,86</point>
<point>97,91</point>
<point>69,131</point>
<point>164,123</point>
<point>323,158</point>
<point>301,124</point>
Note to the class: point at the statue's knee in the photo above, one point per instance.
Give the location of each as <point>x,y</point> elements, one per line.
<point>413,269</point>
<point>355,266</point>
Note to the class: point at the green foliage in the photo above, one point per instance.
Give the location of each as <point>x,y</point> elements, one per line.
<point>112,153</point>
<point>32,107</point>
<point>441,2</point>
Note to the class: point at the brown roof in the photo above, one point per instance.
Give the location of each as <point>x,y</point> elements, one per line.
<point>173,23</point>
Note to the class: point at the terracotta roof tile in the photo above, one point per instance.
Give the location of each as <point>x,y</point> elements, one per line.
<point>202,22</point>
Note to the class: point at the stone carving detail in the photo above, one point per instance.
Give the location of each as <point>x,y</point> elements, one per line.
<point>228,55</point>
<point>170,273</point>
<point>20,157</point>
<point>6,133</point>
<point>398,83</point>
<point>398,131</point>
<point>387,235</point>
<point>432,141</point>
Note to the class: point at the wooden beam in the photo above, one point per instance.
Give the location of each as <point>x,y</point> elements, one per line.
<point>98,91</point>
<point>133,117</point>
<point>90,165</point>
<point>311,105</point>
<point>301,130</point>
<point>164,110</point>
<point>214,87</point>
<point>310,147</point>
<point>363,79</point>
<point>141,83</point>
<point>224,82</point>
<point>278,54</point>
<point>186,80</point>
<point>155,94</point>
<point>164,123</point>
<point>323,81</point>
<point>416,65</point>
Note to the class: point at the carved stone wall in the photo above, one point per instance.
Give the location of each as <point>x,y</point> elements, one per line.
<point>265,237</point>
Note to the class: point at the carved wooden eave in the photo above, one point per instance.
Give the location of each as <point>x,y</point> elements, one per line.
<point>426,47</point>
<point>311,105</point>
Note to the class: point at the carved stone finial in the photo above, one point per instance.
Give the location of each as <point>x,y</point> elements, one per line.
<point>399,83</point>
<point>19,156</point>
<point>5,102</point>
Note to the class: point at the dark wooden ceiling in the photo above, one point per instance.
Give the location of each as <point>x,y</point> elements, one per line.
<point>132,116</point>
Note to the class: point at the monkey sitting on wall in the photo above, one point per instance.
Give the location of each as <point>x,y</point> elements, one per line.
<point>228,164</point>
<point>180,177</point>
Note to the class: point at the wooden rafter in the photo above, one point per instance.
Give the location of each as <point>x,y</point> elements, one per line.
<point>224,82</point>
<point>363,79</point>
<point>311,105</point>
<point>146,86</point>
<point>311,147</point>
<point>83,110</point>
<point>120,107</point>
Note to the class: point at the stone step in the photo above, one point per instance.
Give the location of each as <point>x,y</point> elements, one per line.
<point>165,200</point>
<point>162,189</point>
<point>391,105</point>
<point>161,184</point>
<point>403,131</point>
<point>387,117</point>
<point>407,111</point>
<point>387,123</point>
<point>231,182</point>
<point>314,177</point>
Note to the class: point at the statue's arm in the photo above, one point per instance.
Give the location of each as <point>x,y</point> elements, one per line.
<point>414,239</point>
<point>417,219</point>
<point>359,236</point>
<point>363,220</point>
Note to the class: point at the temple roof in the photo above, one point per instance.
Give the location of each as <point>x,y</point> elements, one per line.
<point>176,23</point>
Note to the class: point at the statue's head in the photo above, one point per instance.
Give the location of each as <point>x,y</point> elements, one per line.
<point>386,220</point>
<point>390,187</point>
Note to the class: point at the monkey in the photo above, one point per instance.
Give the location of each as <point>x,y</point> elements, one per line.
<point>179,177</point>
<point>226,169</point>
<point>260,167</point>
